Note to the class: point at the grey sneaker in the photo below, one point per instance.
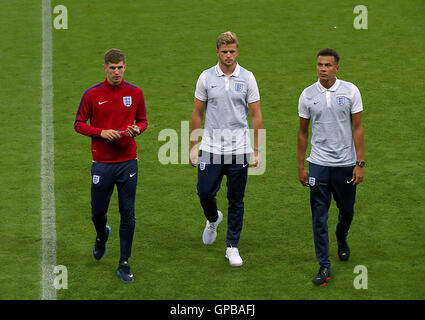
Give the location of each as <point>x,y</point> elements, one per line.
<point>210,231</point>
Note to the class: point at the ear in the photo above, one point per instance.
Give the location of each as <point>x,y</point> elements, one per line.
<point>105,67</point>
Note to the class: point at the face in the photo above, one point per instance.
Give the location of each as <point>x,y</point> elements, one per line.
<point>227,54</point>
<point>115,72</point>
<point>327,67</point>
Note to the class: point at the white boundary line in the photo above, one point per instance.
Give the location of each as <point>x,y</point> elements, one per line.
<point>48,211</point>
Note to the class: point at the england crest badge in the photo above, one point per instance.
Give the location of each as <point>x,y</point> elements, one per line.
<point>238,86</point>
<point>96,179</point>
<point>202,165</point>
<point>127,101</point>
<point>311,181</point>
<point>340,100</point>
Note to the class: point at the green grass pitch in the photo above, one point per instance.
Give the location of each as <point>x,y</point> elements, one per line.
<point>168,44</point>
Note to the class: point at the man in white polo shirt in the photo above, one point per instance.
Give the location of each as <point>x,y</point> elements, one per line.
<point>226,93</point>
<point>336,162</point>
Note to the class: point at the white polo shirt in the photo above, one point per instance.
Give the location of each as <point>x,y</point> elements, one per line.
<point>330,112</point>
<point>226,118</point>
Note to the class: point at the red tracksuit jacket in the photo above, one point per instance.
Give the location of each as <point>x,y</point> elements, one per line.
<point>111,107</point>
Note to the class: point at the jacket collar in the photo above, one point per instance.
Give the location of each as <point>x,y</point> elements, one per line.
<point>110,86</point>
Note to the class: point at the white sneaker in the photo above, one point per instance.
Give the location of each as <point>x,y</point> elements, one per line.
<point>232,254</point>
<point>210,231</point>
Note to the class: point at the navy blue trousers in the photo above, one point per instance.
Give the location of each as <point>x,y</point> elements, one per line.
<point>211,170</point>
<point>326,182</point>
<point>104,178</point>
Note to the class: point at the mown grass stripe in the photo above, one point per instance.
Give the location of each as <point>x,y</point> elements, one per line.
<point>48,210</point>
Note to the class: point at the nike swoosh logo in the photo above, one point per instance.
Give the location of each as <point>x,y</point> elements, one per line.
<point>132,175</point>
<point>102,102</point>
<point>316,102</point>
<point>213,86</point>
<point>244,165</point>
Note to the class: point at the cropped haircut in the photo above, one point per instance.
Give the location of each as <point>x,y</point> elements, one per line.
<point>327,52</point>
<point>227,38</point>
<point>114,56</point>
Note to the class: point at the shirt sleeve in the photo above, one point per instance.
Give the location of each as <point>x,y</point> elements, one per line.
<point>83,115</point>
<point>253,92</point>
<point>201,88</point>
<point>141,120</point>
<point>303,111</point>
<point>356,99</point>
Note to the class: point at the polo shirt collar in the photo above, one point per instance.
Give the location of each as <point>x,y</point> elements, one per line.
<point>333,88</point>
<point>221,73</point>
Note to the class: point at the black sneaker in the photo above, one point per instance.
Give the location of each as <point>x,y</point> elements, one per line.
<point>124,271</point>
<point>99,248</point>
<point>322,277</point>
<point>343,250</point>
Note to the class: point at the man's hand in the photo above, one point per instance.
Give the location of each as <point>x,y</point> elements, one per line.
<point>357,175</point>
<point>303,176</point>
<point>193,156</point>
<point>133,131</point>
<point>110,134</point>
<point>256,160</point>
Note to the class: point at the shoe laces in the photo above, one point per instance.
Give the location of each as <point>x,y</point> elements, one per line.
<point>100,244</point>
<point>212,226</point>
<point>322,272</point>
<point>233,251</point>
<point>125,267</point>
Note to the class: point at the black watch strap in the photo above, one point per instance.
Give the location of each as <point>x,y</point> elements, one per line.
<point>361,164</point>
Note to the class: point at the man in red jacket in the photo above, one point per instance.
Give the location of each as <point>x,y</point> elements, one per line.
<point>117,114</point>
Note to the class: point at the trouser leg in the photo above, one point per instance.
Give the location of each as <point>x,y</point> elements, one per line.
<point>344,194</point>
<point>237,175</point>
<point>126,185</point>
<point>210,175</point>
<point>320,200</point>
<point>101,190</point>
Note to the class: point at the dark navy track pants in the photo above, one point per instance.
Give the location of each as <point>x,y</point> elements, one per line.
<point>326,182</point>
<point>104,178</point>
<point>211,170</point>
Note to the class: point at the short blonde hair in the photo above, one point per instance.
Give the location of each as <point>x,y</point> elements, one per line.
<point>227,38</point>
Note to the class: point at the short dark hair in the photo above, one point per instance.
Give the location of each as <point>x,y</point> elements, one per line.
<point>329,52</point>
<point>114,56</point>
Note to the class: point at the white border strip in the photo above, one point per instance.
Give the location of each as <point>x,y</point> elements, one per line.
<point>48,211</point>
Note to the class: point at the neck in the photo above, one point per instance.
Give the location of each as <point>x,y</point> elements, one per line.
<point>327,83</point>
<point>113,84</point>
<point>227,70</point>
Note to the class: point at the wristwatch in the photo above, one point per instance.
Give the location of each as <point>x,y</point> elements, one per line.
<point>361,164</point>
